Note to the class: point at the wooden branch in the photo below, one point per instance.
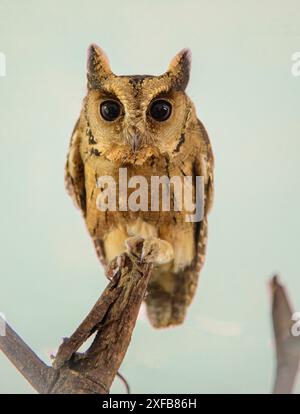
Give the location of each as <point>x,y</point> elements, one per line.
<point>113,318</point>
<point>25,360</point>
<point>287,346</point>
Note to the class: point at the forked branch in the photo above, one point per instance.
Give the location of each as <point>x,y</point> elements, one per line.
<point>112,318</point>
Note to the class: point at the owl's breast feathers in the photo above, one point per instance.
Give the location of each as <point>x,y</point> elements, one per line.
<point>100,222</point>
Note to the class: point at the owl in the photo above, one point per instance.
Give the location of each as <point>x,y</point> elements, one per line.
<point>148,126</point>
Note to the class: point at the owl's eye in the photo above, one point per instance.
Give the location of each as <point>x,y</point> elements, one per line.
<point>160,110</point>
<point>110,110</point>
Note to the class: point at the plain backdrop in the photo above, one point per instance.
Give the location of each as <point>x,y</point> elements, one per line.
<point>247,97</point>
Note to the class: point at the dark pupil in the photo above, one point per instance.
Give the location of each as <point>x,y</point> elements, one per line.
<point>160,110</point>
<point>110,110</point>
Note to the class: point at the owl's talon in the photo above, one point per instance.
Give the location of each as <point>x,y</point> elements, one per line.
<point>133,245</point>
<point>157,251</point>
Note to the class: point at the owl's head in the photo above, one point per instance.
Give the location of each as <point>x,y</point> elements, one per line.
<point>132,114</point>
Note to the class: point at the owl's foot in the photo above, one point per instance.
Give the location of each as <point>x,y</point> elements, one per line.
<point>134,245</point>
<point>154,250</point>
<point>157,251</point>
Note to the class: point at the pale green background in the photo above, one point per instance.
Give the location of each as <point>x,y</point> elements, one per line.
<point>245,94</point>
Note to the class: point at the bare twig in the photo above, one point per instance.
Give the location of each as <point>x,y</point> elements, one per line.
<point>125,382</point>
<point>25,360</point>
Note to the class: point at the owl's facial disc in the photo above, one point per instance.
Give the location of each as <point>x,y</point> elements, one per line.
<point>135,112</point>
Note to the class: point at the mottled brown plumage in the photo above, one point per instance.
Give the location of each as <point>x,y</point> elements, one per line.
<point>179,146</point>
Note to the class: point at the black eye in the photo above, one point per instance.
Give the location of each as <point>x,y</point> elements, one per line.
<point>110,110</point>
<point>160,110</point>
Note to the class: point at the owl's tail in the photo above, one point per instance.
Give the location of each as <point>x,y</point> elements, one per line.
<point>167,307</point>
<point>170,293</point>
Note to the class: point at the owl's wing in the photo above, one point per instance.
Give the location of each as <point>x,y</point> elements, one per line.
<point>204,166</point>
<point>74,171</point>
<point>75,181</point>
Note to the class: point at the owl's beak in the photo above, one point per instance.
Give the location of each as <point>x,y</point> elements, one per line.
<point>136,141</point>
<point>134,135</point>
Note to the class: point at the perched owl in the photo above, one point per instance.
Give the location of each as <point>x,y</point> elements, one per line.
<point>148,125</point>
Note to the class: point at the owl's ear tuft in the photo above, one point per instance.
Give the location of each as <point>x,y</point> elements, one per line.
<point>98,67</point>
<point>179,69</point>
